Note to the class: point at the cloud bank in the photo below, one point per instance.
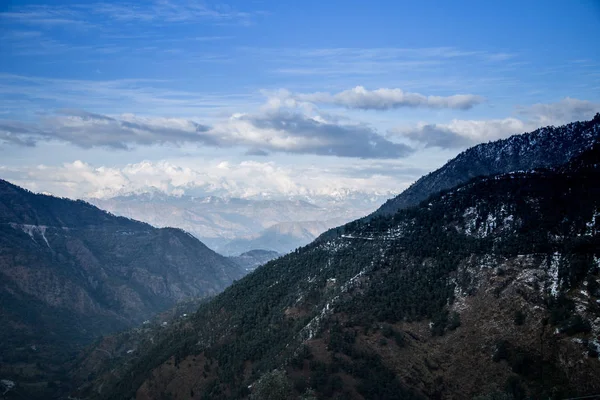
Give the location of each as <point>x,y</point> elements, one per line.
<point>384,99</point>
<point>246,179</point>
<point>459,134</point>
<point>280,130</point>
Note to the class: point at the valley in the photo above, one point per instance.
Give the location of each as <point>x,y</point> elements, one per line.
<point>299,200</point>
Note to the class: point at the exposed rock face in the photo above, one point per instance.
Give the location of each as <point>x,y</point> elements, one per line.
<point>70,272</point>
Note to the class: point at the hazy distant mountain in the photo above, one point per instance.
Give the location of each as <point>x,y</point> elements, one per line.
<point>282,237</point>
<point>252,259</point>
<point>234,225</point>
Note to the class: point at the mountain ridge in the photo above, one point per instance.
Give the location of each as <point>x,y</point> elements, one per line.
<point>72,272</point>
<point>553,145</point>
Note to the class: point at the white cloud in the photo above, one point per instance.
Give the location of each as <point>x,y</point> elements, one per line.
<point>344,61</point>
<point>285,131</point>
<point>464,133</point>
<point>90,130</point>
<point>141,96</point>
<point>561,112</point>
<point>247,179</point>
<point>295,132</point>
<point>173,12</point>
<point>385,99</point>
<point>106,14</point>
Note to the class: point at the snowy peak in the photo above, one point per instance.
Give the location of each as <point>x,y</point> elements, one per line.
<point>232,225</point>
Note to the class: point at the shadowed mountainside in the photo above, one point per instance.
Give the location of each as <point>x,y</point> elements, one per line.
<point>70,272</point>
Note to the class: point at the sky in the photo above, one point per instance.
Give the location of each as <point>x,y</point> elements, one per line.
<point>279,98</point>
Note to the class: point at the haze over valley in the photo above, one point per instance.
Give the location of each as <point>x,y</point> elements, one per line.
<point>232,226</point>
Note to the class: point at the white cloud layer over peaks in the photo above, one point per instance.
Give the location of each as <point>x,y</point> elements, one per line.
<point>381,99</point>
<point>464,133</point>
<point>246,179</point>
<point>274,130</point>
<point>566,110</point>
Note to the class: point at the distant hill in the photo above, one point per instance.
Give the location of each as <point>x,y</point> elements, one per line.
<point>254,258</point>
<point>282,237</point>
<point>70,272</point>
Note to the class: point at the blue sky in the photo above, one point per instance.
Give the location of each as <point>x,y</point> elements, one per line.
<point>279,97</point>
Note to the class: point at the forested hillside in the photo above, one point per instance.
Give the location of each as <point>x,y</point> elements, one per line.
<point>490,287</point>
<point>70,272</point>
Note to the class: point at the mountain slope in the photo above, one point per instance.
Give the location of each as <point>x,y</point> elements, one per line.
<point>545,147</point>
<point>490,287</point>
<point>70,272</point>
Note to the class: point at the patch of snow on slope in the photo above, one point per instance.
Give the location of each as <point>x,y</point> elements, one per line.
<point>352,281</point>
<point>591,225</point>
<point>311,329</point>
<point>508,220</point>
<point>470,217</point>
<point>531,276</point>
<point>335,246</point>
<point>357,237</point>
<point>33,229</point>
<point>488,227</point>
<point>475,225</point>
<point>553,274</point>
<point>7,385</point>
<point>460,298</point>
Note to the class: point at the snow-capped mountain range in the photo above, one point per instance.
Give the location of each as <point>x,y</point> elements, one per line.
<point>233,225</point>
